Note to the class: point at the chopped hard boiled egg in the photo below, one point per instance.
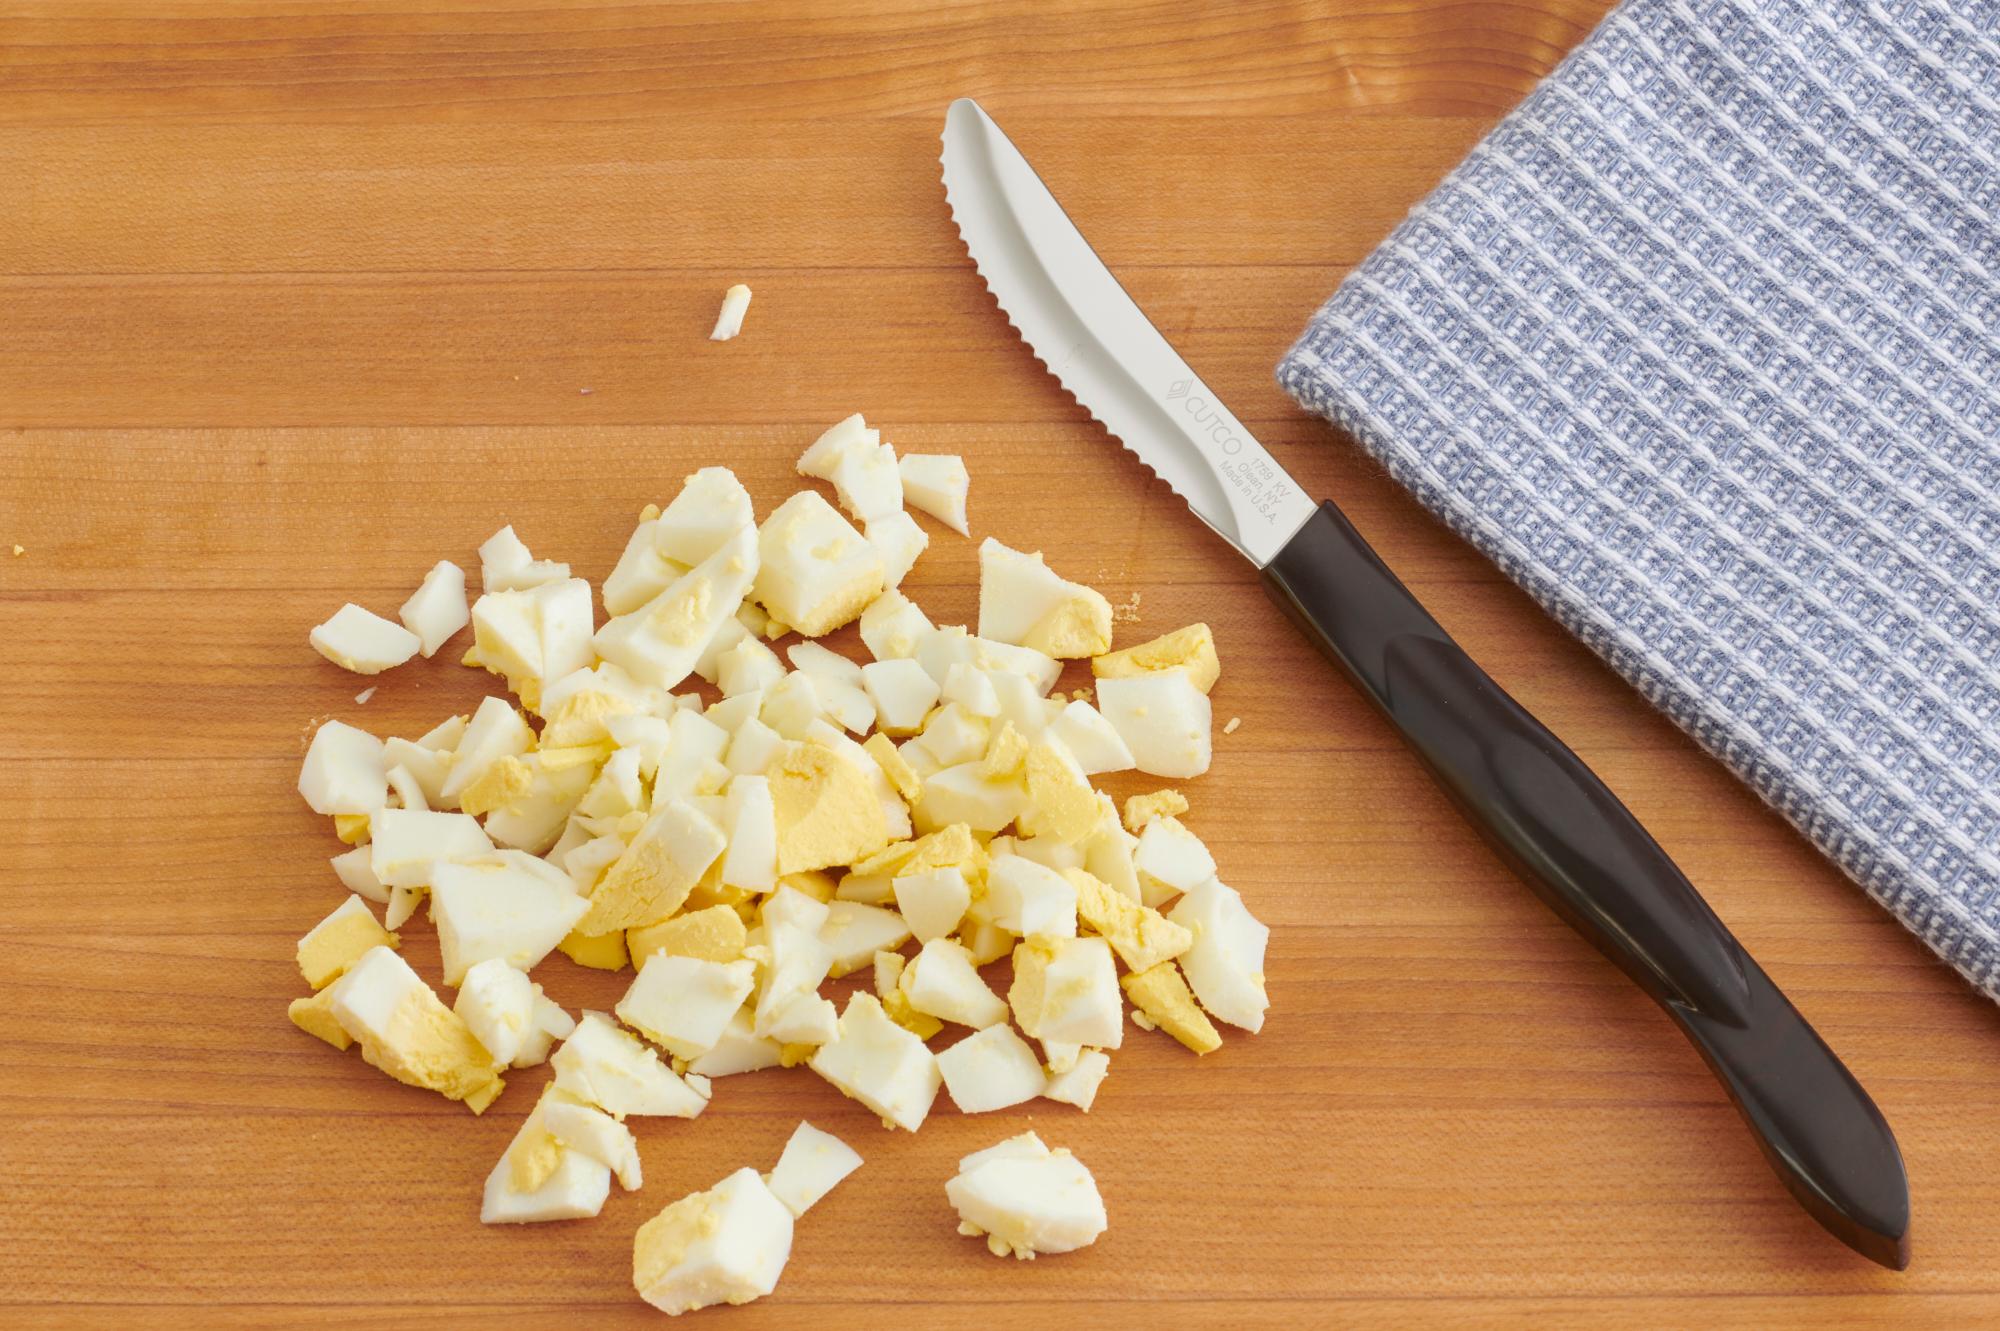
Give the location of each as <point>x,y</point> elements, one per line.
<point>511,906</point>
<point>406,1032</point>
<point>942,981</point>
<point>1190,650</point>
<point>1023,602</point>
<point>343,771</point>
<point>596,1134</point>
<point>406,846</point>
<point>1143,809</point>
<point>738,854</point>
<point>333,945</point>
<point>506,564</point>
<point>1067,989</point>
<point>436,609</point>
<point>364,642</point>
<point>496,1001</point>
<point>1225,965</point>
<point>603,1066</point>
<point>991,1069</point>
<point>1169,859</point>
<point>826,808</point>
<point>682,1004</point>
<point>1140,935</point>
<point>1078,1084</point>
<point>937,484</point>
<point>1025,1199</point>
<point>1163,719</point>
<point>816,572</point>
<point>1161,994</point>
<point>726,1245</point>
<point>812,1164</point>
<point>574,1189</point>
<point>714,933</point>
<point>876,1061</point>
<point>729,320</point>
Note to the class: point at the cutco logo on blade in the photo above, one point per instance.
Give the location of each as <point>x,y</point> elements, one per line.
<point>1207,415</point>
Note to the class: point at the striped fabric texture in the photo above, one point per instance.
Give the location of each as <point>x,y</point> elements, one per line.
<point>1702,347</point>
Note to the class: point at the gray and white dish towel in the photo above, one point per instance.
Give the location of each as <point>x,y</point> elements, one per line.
<point>1702,347</point>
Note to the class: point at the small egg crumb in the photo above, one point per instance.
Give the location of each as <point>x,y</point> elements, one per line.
<point>1229,728</point>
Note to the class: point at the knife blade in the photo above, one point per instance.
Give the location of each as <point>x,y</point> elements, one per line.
<point>1540,807</point>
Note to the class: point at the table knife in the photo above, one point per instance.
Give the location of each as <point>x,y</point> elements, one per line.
<point>1545,812</point>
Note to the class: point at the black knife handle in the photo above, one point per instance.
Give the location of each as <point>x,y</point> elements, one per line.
<point>1561,829</point>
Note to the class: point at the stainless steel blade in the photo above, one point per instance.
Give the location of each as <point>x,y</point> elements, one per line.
<point>1090,334</point>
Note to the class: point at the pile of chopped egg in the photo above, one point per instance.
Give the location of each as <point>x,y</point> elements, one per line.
<point>915,817</point>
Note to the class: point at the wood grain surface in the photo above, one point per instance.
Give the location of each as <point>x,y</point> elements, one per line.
<point>297,298</point>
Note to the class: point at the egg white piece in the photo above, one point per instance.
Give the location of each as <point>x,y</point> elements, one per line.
<point>712,507</point>
<point>1031,899</point>
<point>932,901</point>
<point>358,876</point>
<point>683,1004</point>
<point>812,1164</point>
<point>660,642</point>
<point>1169,860</point>
<point>799,962</point>
<point>965,794</point>
<point>1092,740</point>
<point>406,845</point>
<point>513,906</point>
<point>1078,1084</point>
<point>837,441</point>
<point>892,625</point>
<point>992,1069</point>
<point>1025,1199</point>
<point>740,1049</point>
<point>363,642</point>
<point>877,1062</point>
<point>427,765</point>
<point>899,539</point>
<point>968,686</point>
<point>549,1024</point>
<point>496,731</point>
<point>594,1133</point>
<point>604,1066</point>
<point>751,820</point>
<point>729,319</point>
<point>641,573</point>
<point>1163,719</point>
<point>497,1002</point>
<point>342,771</point>
<point>952,735</point>
<point>437,608</point>
<point>804,1018</point>
<point>855,931</point>
<point>506,564</point>
<point>867,482</point>
<point>817,571</point>
<point>937,483</point>
<point>1225,966</point>
<point>942,981</point>
<point>903,694</point>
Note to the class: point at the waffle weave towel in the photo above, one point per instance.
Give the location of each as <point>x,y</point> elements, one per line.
<point>1702,347</point>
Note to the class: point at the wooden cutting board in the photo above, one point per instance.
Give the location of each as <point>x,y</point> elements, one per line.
<point>297,298</point>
